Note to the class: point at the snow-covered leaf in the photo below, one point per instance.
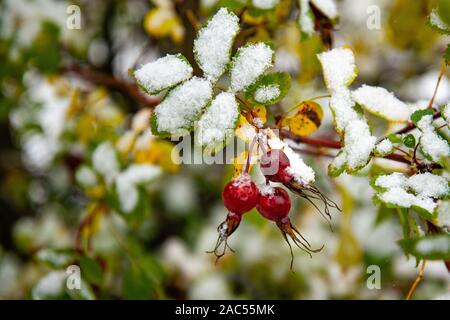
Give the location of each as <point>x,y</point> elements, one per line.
<point>176,114</point>
<point>163,73</point>
<point>446,113</point>
<point>306,19</point>
<point>269,89</point>
<point>250,63</point>
<point>437,23</point>
<point>382,103</point>
<point>327,7</point>
<point>384,148</point>
<point>417,115</point>
<point>216,126</point>
<point>431,143</point>
<point>431,247</point>
<point>265,4</point>
<point>339,68</point>
<point>212,47</point>
<point>342,106</point>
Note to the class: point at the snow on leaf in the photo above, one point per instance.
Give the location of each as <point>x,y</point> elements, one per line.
<point>327,7</point>
<point>417,191</point>
<point>181,107</point>
<point>163,73</point>
<point>432,247</point>
<point>358,144</point>
<point>105,162</point>
<point>86,177</point>
<point>128,180</point>
<point>429,185</point>
<point>306,19</point>
<point>265,4</point>
<point>212,47</point>
<point>384,148</point>
<point>249,63</point>
<point>267,93</point>
<point>217,124</point>
<point>381,102</point>
<point>446,113</point>
<point>437,23</point>
<point>431,144</point>
<point>342,105</point>
<point>269,89</point>
<point>339,68</point>
<point>49,286</point>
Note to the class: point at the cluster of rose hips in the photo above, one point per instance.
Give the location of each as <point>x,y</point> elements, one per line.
<point>241,195</point>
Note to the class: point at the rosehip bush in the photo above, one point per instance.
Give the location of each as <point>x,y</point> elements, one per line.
<point>135,133</point>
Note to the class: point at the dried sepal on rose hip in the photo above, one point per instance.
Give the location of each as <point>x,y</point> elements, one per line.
<point>276,167</point>
<point>239,196</point>
<point>274,204</point>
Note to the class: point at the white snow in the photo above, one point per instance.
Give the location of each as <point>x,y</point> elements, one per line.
<point>212,47</point>
<point>437,22</point>
<point>265,4</point>
<point>417,190</point>
<point>265,189</point>
<point>384,148</point>
<point>249,64</point>
<point>301,172</point>
<point>341,104</point>
<point>104,161</point>
<point>163,73</point>
<point>429,185</point>
<point>381,102</point>
<point>50,285</point>
<point>219,120</point>
<point>339,68</point>
<point>359,144</point>
<point>86,177</point>
<point>430,142</point>
<point>327,7</point>
<point>436,244</point>
<point>393,180</point>
<point>446,113</point>
<point>267,93</point>
<point>127,181</point>
<point>306,18</point>
<point>183,105</point>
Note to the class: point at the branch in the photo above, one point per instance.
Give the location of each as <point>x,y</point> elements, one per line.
<point>107,80</point>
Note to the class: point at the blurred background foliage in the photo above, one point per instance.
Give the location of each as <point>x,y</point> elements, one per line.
<point>66,95</point>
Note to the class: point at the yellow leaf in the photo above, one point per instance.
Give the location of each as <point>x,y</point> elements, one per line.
<point>158,152</point>
<point>244,130</point>
<point>259,115</point>
<point>306,120</point>
<point>163,22</point>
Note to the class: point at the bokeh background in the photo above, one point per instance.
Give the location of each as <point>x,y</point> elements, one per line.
<point>65,92</point>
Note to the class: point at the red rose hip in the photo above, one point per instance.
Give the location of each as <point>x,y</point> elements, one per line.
<point>274,204</point>
<point>240,195</point>
<point>274,164</point>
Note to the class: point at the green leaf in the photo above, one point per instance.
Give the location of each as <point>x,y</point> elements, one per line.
<point>91,270</point>
<point>44,51</point>
<point>279,80</point>
<point>409,140</point>
<point>395,138</point>
<point>432,247</point>
<point>447,55</point>
<point>437,23</point>
<point>136,284</point>
<point>416,116</point>
<point>443,9</point>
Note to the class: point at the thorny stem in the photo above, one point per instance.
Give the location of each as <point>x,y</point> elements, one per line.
<point>417,281</point>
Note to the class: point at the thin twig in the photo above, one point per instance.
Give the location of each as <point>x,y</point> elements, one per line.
<point>441,74</point>
<point>417,281</point>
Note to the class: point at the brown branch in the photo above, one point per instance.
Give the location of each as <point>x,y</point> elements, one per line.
<point>417,281</point>
<point>441,74</point>
<point>104,79</point>
<point>411,126</point>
